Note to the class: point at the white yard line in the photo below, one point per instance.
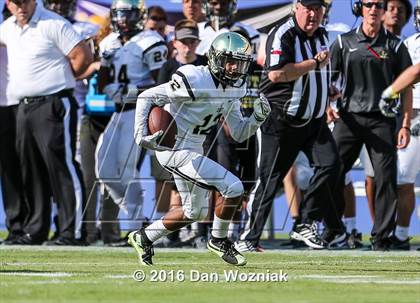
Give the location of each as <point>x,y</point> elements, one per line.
<point>36,274</point>
<point>355,279</point>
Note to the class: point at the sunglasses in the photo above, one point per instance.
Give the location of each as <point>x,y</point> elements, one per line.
<point>157,18</point>
<point>379,5</point>
<point>188,41</point>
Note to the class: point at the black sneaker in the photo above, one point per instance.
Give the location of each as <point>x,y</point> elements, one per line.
<point>397,244</point>
<point>308,233</point>
<point>142,245</point>
<point>354,239</point>
<point>28,239</point>
<point>65,241</point>
<point>292,244</point>
<point>335,239</point>
<point>12,238</point>
<point>226,250</point>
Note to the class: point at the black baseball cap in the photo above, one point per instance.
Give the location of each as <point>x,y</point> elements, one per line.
<point>312,2</point>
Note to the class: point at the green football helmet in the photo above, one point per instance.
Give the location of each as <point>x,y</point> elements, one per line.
<point>128,16</point>
<point>231,48</point>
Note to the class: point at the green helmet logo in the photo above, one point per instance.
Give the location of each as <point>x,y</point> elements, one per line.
<point>234,49</point>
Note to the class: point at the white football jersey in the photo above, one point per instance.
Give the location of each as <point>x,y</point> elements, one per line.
<point>197,102</point>
<point>108,46</point>
<point>413,45</point>
<point>131,64</point>
<point>208,34</point>
<point>85,29</point>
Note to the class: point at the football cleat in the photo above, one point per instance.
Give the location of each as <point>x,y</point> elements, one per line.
<point>226,250</point>
<point>308,233</point>
<point>142,245</point>
<point>397,244</point>
<point>354,239</point>
<point>335,239</point>
<point>247,246</point>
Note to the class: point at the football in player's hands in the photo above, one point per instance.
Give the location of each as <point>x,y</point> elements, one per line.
<point>160,119</point>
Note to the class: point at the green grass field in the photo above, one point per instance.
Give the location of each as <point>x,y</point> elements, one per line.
<point>97,274</point>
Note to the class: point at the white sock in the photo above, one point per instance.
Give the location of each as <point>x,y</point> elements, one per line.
<point>220,227</point>
<point>350,224</point>
<point>401,233</point>
<point>233,230</point>
<point>194,228</point>
<point>156,230</point>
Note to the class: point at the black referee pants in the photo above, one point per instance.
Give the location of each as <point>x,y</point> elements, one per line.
<point>378,134</point>
<point>10,174</point>
<point>46,140</point>
<point>277,154</point>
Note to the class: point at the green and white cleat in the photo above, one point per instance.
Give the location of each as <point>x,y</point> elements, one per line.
<point>142,245</point>
<point>226,250</point>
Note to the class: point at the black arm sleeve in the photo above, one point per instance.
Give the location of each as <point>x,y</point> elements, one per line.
<point>404,60</point>
<point>336,61</point>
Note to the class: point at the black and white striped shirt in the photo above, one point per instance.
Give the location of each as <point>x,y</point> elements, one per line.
<point>307,96</point>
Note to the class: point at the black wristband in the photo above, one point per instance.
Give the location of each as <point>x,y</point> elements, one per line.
<point>317,63</point>
<point>407,128</point>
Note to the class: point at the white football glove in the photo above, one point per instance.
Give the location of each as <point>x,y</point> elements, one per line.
<point>415,127</point>
<point>151,142</point>
<point>389,103</point>
<point>261,108</point>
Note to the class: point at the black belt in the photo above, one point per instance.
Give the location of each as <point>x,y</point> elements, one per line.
<point>60,94</point>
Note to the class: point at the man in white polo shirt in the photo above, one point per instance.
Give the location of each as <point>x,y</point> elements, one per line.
<point>10,175</point>
<point>45,55</point>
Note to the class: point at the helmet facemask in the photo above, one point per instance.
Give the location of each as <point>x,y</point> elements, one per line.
<point>417,16</point>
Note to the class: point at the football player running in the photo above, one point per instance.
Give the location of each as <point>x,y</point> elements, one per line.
<point>131,60</point>
<point>197,96</point>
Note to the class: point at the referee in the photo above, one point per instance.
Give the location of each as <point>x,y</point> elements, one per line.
<point>45,55</point>
<point>296,85</point>
<point>368,59</point>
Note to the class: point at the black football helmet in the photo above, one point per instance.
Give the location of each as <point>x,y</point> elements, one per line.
<point>220,12</point>
<point>65,8</point>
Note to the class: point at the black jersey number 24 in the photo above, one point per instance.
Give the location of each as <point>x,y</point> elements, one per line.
<point>204,129</point>
<point>158,56</point>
